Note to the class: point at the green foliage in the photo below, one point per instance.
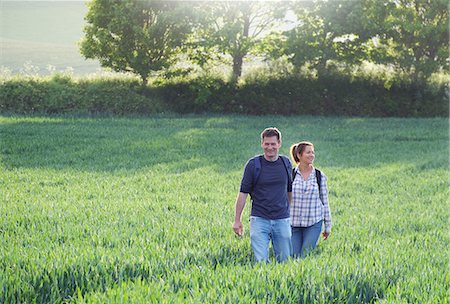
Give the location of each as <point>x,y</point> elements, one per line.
<point>416,35</point>
<point>411,35</point>
<point>140,211</point>
<point>21,96</point>
<point>135,36</point>
<point>374,91</point>
<point>199,95</point>
<point>63,94</point>
<point>234,29</point>
<point>376,94</point>
<point>117,96</point>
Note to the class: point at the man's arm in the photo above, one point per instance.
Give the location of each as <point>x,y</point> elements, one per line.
<point>240,204</point>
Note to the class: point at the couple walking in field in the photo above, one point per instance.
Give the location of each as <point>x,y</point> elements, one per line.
<point>289,206</point>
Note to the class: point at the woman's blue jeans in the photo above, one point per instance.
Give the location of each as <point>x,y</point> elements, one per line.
<point>304,239</point>
<point>263,230</point>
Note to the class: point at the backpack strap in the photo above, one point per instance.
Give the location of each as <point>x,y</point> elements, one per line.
<point>257,170</point>
<point>287,165</point>
<point>318,178</point>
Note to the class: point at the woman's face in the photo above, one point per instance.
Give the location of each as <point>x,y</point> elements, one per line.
<point>307,157</point>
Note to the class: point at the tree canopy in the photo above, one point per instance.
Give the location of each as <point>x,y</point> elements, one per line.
<point>411,35</point>
<point>143,37</point>
<point>235,29</point>
<point>135,36</point>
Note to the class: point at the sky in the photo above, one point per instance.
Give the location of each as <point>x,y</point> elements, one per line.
<point>43,33</point>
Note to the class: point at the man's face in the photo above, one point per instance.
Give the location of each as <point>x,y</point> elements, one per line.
<point>271,145</point>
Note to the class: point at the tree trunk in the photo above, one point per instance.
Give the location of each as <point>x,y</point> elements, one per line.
<point>241,49</point>
<point>237,67</point>
<point>144,80</point>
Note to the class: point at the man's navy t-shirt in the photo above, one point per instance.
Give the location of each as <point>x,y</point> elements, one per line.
<point>269,195</point>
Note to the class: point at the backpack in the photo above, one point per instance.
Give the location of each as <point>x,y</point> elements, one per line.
<point>286,162</point>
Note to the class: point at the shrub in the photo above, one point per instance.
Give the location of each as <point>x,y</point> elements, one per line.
<point>332,94</point>
<point>117,96</point>
<point>61,94</point>
<point>22,95</point>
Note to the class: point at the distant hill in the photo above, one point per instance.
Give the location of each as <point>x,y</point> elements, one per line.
<point>43,33</point>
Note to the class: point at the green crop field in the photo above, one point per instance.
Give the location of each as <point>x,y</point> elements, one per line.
<point>139,210</point>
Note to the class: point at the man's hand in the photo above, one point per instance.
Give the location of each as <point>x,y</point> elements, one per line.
<point>325,235</point>
<point>240,203</point>
<point>238,228</point>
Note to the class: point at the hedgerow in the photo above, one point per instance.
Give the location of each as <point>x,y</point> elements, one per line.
<point>334,94</point>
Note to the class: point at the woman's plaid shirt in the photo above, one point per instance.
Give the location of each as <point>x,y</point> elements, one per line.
<point>307,206</point>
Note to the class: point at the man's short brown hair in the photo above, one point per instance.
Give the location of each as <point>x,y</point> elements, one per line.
<point>270,132</point>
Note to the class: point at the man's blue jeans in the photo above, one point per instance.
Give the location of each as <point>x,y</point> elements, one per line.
<point>263,230</point>
<point>304,239</point>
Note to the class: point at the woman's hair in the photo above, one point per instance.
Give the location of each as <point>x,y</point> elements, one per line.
<point>269,132</point>
<point>298,148</point>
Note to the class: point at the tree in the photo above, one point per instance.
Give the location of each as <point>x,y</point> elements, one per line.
<point>135,36</point>
<point>234,28</point>
<point>325,32</point>
<point>412,35</point>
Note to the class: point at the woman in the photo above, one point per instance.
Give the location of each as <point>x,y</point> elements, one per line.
<point>309,207</point>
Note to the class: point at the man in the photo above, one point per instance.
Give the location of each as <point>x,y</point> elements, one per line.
<point>270,190</point>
